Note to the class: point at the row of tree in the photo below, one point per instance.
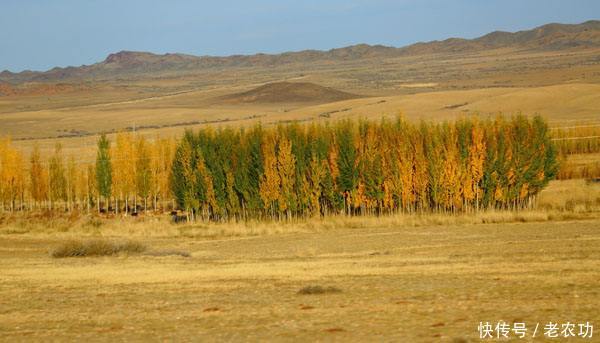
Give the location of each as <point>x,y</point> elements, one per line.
<point>362,167</point>
<point>351,167</point>
<point>577,139</point>
<point>132,174</point>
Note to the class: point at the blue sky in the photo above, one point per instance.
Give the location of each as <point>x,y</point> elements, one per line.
<point>41,34</point>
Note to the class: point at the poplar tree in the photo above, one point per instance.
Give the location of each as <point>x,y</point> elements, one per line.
<point>366,167</point>
<point>38,177</point>
<point>270,182</point>
<point>143,171</point>
<point>477,157</point>
<point>71,183</point>
<point>347,179</point>
<point>183,175</point>
<point>57,181</point>
<point>286,168</point>
<point>103,169</point>
<point>12,180</point>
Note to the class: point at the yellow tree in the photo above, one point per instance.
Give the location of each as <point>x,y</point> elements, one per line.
<point>86,183</point>
<point>155,152</point>
<point>450,173</point>
<point>12,180</point>
<point>270,181</point>
<point>38,177</point>
<point>124,168</point>
<point>509,166</point>
<point>286,167</point>
<point>71,183</point>
<point>144,176</point>
<point>477,156</point>
<point>4,171</point>
<point>57,179</point>
<point>406,176</point>
<point>162,164</point>
<point>389,166</point>
<point>421,171</point>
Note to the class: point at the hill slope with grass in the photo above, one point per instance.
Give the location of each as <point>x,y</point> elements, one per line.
<point>289,92</point>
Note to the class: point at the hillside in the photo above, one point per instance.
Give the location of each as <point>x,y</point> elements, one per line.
<point>547,37</point>
<point>289,92</point>
<point>130,64</point>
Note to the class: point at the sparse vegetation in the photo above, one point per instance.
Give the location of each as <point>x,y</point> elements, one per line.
<point>167,252</point>
<point>316,289</point>
<point>96,247</point>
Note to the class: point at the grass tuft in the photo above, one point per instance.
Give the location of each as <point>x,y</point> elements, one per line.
<point>311,290</point>
<point>96,247</point>
<point>168,252</point>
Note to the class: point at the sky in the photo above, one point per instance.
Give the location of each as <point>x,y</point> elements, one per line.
<point>42,34</point>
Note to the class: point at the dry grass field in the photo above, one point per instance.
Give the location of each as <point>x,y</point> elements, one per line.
<point>403,278</point>
<point>403,283</point>
<point>562,105</point>
<point>561,85</point>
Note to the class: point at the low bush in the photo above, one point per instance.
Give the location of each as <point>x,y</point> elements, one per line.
<point>95,247</point>
<point>311,290</point>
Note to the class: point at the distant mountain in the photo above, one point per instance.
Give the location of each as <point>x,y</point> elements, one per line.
<point>546,37</point>
<point>136,64</point>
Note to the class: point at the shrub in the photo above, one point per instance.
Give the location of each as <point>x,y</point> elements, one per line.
<point>310,290</point>
<point>95,247</point>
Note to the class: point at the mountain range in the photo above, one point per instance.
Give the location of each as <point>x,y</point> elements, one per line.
<point>127,64</point>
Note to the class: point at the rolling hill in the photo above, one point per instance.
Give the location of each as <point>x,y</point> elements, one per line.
<point>288,92</point>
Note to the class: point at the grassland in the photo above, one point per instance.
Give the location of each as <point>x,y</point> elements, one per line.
<point>403,283</point>
<point>404,278</point>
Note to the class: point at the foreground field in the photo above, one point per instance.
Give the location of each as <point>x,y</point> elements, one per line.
<point>398,283</point>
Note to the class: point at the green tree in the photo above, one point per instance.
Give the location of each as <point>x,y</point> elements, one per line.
<point>103,169</point>
<point>37,177</point>
<point>57,180</point>
<point>143,171</point>
<point>183,175</point>
<point>348,172</point>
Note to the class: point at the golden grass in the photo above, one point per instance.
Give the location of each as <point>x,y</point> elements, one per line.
<point>560,102</point>
<point>163,227</point>
<point>576,196</point>
<point>417,284</point>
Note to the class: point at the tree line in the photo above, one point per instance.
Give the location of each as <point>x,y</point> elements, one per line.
<point>578,139</point>
<point>131,174</point>
<point>348,167</point>
<point>362,167</point>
